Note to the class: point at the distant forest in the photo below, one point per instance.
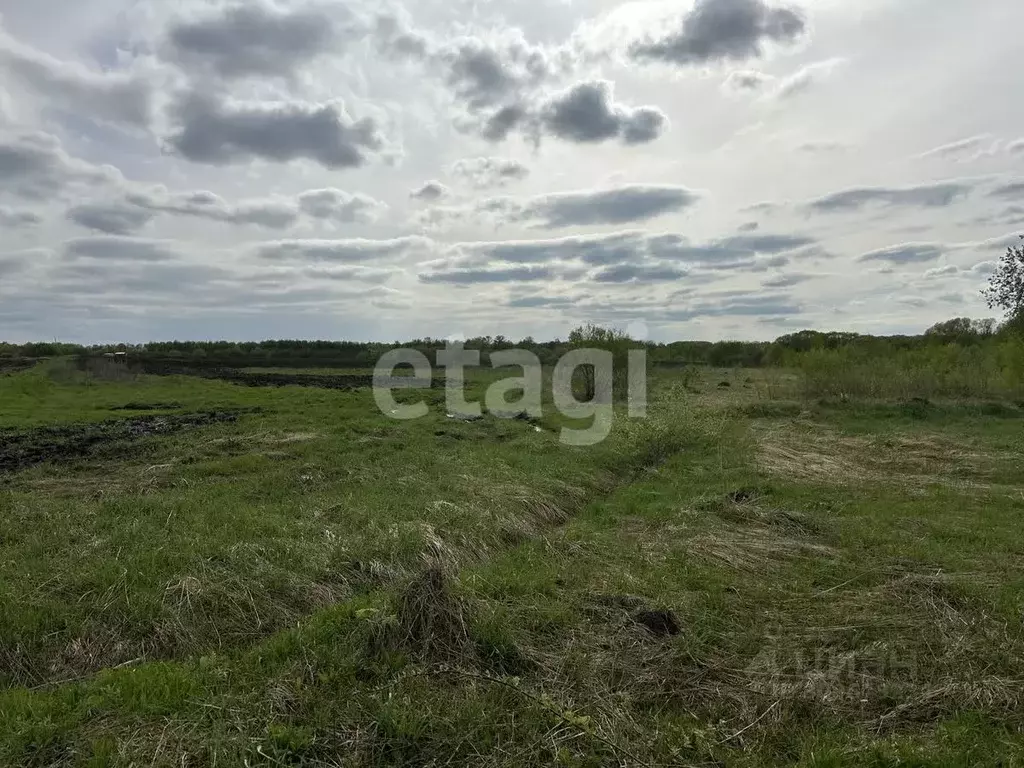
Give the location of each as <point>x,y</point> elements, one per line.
<point>961,332</point>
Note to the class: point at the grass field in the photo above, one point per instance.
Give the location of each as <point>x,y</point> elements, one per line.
<point>743,578</point>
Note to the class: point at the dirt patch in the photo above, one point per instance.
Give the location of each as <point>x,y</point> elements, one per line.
<point>20,449</point>
<point>660,623</point>
<point>17,364</point>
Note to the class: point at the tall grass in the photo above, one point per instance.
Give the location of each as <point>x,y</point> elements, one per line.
<point>994,369</point>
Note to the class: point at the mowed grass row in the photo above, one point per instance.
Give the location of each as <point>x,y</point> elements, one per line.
<point>174,546</point>
<point>802,584</point>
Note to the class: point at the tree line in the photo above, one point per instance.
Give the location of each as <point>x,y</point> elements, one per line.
<point>296,353</point>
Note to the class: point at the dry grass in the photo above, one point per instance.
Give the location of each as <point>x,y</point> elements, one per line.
<point>429,621</point>
<point>755,549</point>
<point>814,452</point>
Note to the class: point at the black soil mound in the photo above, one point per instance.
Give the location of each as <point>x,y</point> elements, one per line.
<point>24,448</point>
<point>661,623</point>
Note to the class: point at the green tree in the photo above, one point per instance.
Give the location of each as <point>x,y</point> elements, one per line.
<point>1006,287</point>
<point>961,330</point>
<point>612,340</point>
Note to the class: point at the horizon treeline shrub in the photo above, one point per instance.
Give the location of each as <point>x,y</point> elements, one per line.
<point>993,369</point>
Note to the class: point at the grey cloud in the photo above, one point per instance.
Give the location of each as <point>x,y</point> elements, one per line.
<point>395,38</point>
<point>542,302</point>
<point>499,125</point>
<point>497,74</point>
<point>9,266</point>
<point>339,206</point>
<point>994,243</point>
<point>752,305</point>
<point>489,275</point>
<point>765,243</point>
<point>17,261</point>
<point>630,203</point>
<point>746,262</point>
<point>737,252</point>
<point>357,274</point>
<point>787,281</point>
<point>642,125</point>
<point>924,196</point>
<point>620,257</point>
<point>618,205</point>
<point>270,213</point>
<point>430,191</point>
<point>912,301</point>
<point>128,278</point>
<point>111,96</point>
<point>1011,191</point>
<point>985,268</point>
<point>484,75</point>
<point>16,218</point>
<point>342,251</point>
<point>822,146</point>
<point>484,172</point>
<point>765,207</point>
<point>115,218</point>
<point>114,248</point>
<point>1015,147</point>
<point>598,250</point>
<point>906,253</point>
<point>218,135</point>
<point>587,113</point>
<point>1009,216</point>
<point>251,39</point>
<point>273,214</point>
<point>645,273</point>
<point>750,226</point>
<point>499,81</point>
<point>957,147</point>
<point>746,80</point>
<point>35,166</point>
<point>723,30</point>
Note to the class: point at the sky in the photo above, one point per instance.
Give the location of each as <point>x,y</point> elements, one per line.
<point>391,169</point>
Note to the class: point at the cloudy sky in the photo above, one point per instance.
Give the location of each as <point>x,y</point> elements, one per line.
<point>371,170</point>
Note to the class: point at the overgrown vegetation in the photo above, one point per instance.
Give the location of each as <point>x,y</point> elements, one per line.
<point>815,562</point>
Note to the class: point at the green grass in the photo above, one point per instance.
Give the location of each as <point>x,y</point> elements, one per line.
<point>319,585</point>
<point>217,537</point>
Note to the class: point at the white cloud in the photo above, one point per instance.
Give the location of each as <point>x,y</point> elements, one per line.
<point>806,78</point>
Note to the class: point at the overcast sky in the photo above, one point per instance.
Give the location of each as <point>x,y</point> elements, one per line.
<point>372,170</point>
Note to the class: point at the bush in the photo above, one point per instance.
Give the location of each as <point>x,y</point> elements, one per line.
<point>993,369</point>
